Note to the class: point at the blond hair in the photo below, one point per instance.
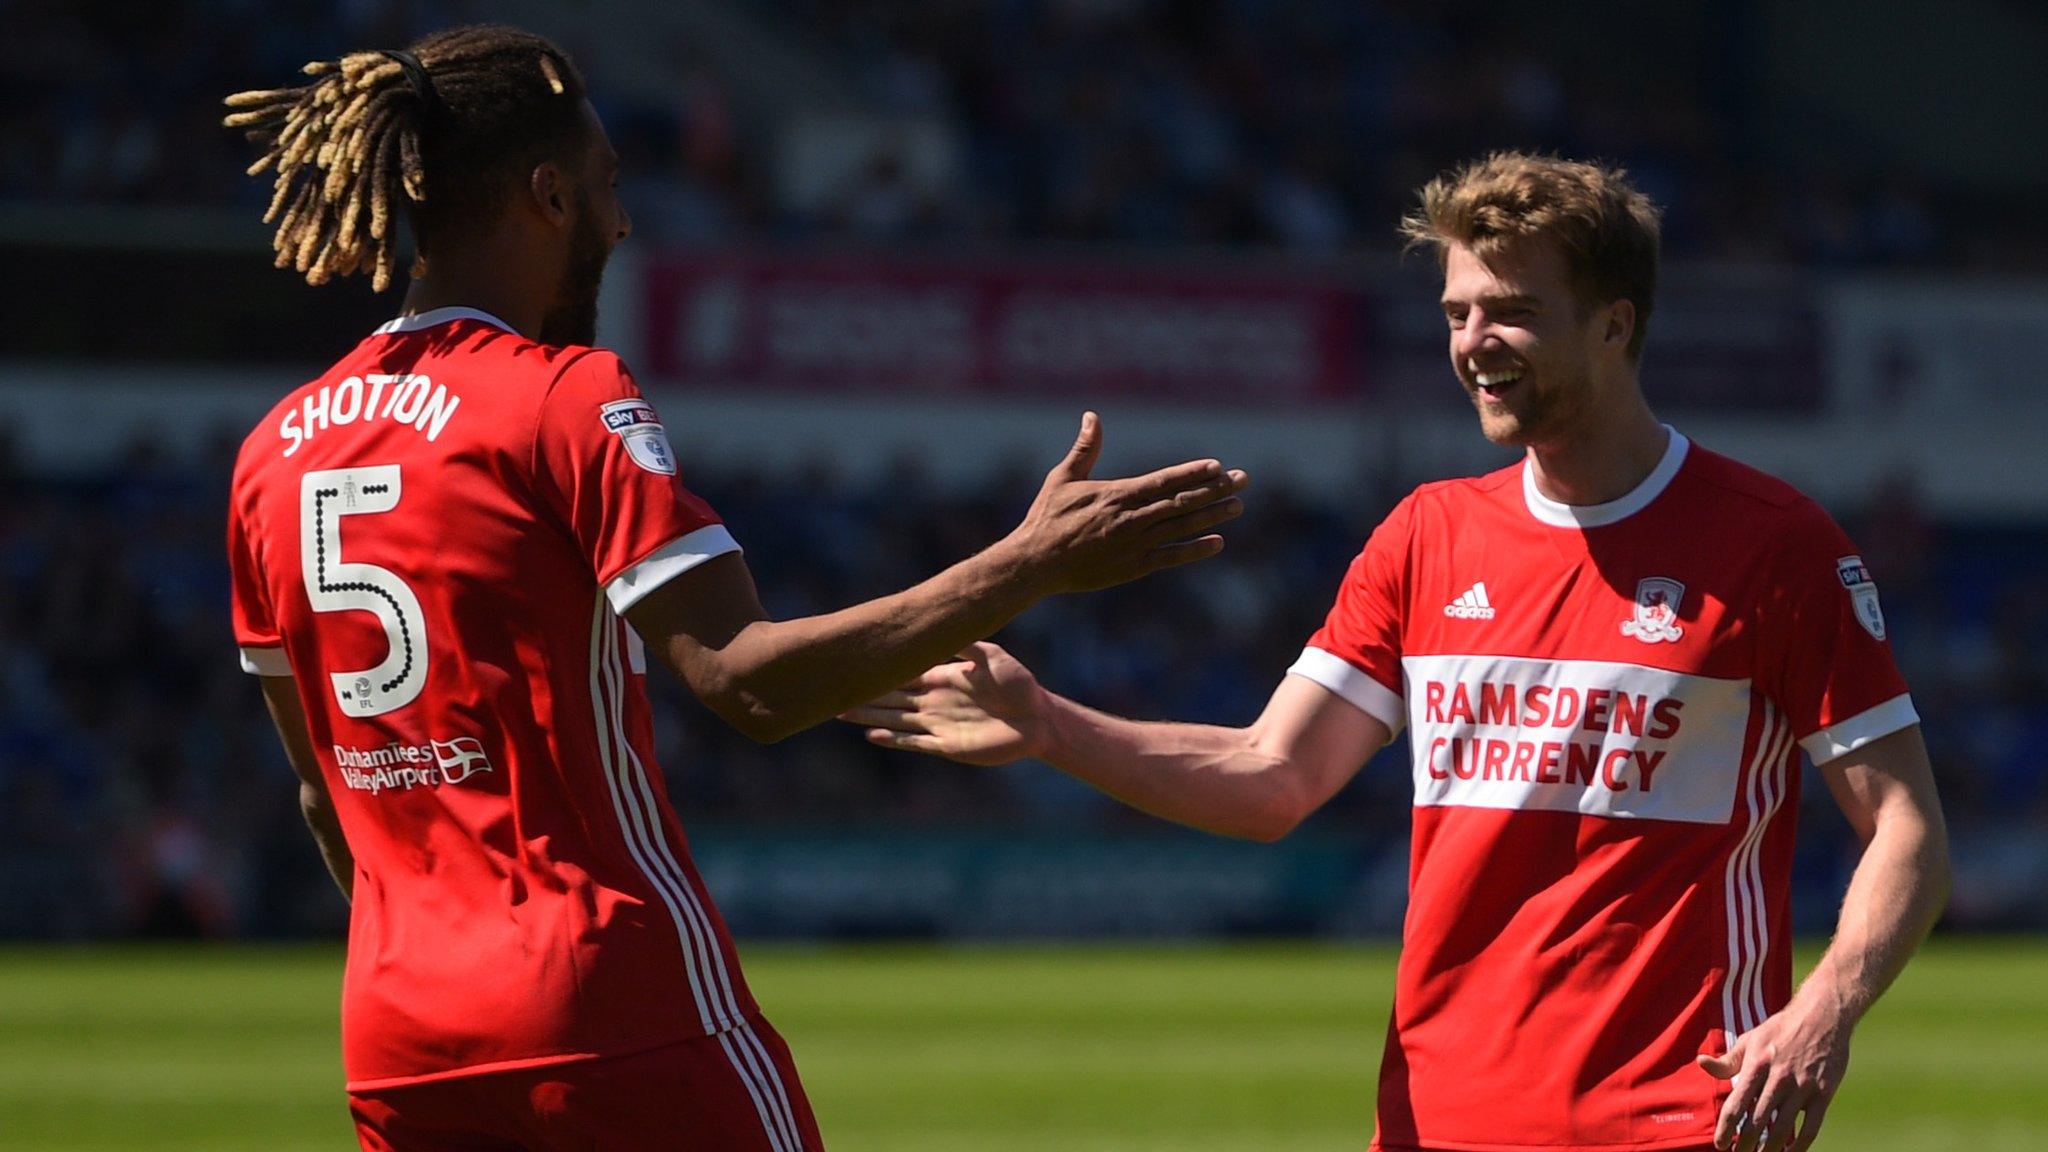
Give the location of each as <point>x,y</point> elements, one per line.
<point>1606,229</point>
<point>433,135</point>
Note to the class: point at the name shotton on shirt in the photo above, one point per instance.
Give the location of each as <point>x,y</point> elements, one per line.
<point>405,399</point>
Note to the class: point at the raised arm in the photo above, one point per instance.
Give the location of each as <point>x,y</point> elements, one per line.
<point>771,678</point>
<point>281,694</point>
<point>1256,782</point>
<point>1792,1063</point>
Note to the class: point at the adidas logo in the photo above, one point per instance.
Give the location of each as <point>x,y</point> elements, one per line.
<point>1473,605</point>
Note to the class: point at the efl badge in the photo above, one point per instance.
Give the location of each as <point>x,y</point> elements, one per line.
<point>1656,618</point>
<point>635,423</point>
<point>1863,592</point>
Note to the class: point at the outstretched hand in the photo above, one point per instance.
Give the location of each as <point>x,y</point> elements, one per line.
<point>985,707</point>
<point>1082,534</point>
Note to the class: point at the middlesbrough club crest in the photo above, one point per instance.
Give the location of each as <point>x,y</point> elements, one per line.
<point>1656,618</point>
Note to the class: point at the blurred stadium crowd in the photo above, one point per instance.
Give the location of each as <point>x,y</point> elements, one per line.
<point>143,791</point>
<point>1302,126</point>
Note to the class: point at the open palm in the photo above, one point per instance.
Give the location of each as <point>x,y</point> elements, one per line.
<point>981,708</point>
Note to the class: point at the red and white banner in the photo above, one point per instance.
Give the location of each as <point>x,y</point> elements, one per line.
<point>995,328</point>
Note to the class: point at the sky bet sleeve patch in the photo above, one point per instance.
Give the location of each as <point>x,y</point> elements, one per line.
<point>1862,590</point>
<point>634,422</point>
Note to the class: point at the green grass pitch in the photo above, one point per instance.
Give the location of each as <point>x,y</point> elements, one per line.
<point>1270,1048</point>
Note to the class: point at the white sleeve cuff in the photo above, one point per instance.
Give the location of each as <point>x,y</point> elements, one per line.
<point>265,662</point>
<point>666,563</point>
<point>1860,729</point>
<point>1360,690</point>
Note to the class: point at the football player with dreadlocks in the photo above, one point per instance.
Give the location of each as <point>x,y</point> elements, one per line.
<point>451,554</point>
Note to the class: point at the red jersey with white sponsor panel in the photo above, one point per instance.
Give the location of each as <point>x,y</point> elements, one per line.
<point>1605,707</point>
<point>436,539</point>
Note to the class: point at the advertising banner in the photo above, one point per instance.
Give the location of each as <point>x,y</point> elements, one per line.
<point>1013,329</point>
<point>1009,328</point>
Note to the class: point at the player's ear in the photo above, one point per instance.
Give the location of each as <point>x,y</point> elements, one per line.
<point>548,189</point>
<point>1619,325</point>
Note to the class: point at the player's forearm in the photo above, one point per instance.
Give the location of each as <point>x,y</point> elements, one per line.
<point>783,676</point>
<point>1207,777</point>
<point>1895,895</point>
<point>321,820</point>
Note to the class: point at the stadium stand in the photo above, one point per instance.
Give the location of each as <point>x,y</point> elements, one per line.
<point>1299,127</point>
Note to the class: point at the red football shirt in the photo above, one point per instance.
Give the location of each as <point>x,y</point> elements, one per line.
<point>436,539</point>
<point>1604,706</point>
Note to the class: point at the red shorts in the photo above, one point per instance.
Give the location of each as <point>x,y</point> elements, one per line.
<point>734,1092</point>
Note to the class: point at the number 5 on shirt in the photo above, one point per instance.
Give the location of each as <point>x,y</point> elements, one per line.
<point>336,585</point>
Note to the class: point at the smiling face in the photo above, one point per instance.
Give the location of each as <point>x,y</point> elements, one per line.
<point>1530,355</point>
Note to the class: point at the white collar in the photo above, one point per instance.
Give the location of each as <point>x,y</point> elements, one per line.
<point>1561,515</point>
<point>440,316</point>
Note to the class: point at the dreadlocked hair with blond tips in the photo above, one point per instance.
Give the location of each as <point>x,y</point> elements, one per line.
<point>365,142</point>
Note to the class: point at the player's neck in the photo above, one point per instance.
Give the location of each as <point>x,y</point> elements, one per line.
<point>454,283</point>
<point>1602,461</point>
